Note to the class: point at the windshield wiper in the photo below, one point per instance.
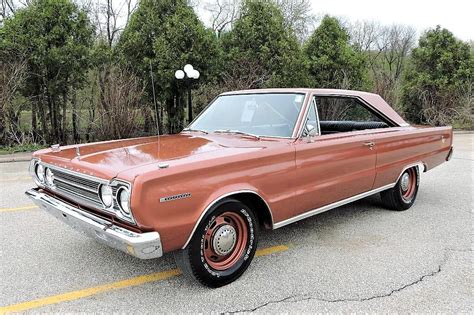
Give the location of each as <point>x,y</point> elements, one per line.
<point>196,130</point>
<point>238,132</point>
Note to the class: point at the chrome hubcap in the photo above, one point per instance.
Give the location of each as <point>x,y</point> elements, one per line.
<point>224,240</point>
<point>405,181</point>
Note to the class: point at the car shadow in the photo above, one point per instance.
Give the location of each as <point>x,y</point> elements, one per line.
<point>321,224</point>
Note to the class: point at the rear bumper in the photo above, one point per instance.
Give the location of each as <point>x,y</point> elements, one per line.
<point>450,154</point>
<point>141,245</point>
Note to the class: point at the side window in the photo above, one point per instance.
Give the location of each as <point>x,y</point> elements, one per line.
<point>311,125</point>
<point>345,114</point>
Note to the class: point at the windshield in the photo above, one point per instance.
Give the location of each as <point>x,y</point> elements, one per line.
<point>272,115</point>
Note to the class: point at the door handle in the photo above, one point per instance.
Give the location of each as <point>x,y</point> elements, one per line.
<point>369,144</point>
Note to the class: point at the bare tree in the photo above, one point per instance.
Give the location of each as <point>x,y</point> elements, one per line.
<point>364,35</point>
<point>298,17</point>
<point>119,100</point>
<point>393,46</point>
<point>223,14</point>
<point>12,76</point>
<point>9,7</point>
<point>386,49</point>
<point>131,7</point>
<point>109,16</point>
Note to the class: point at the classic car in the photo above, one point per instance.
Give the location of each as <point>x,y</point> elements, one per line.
<point>252,159</point>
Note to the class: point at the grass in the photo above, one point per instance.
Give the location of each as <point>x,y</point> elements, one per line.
<point>20,148</point>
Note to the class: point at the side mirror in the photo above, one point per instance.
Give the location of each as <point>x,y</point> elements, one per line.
<point>311,131</point>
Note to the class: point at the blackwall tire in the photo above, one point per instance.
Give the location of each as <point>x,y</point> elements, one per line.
<point>222,246</point>
<point>403,195</point>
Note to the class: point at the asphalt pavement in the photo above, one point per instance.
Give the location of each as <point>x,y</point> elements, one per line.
<point>356,258</point>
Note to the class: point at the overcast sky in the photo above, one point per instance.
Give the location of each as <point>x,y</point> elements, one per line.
<point>455,15</point>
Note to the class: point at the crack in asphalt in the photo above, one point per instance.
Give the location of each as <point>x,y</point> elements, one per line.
<point>288,299</point>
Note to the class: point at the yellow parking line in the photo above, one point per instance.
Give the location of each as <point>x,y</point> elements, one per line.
<point>18,209</point>
<point>271,250</point>
<point>75,295</point>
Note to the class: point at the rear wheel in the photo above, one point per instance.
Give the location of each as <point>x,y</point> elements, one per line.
<point>403,195</point>
<point>222,246</point>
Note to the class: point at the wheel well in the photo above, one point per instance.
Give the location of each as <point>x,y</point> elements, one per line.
<point>258,205</point>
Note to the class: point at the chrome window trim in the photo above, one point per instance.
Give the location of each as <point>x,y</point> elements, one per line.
<point>357,98</point>
<point>206,210</point>
<point>314,104</point>
<point>293,135</point>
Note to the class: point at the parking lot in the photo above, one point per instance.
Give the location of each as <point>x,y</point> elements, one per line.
<point>358,257</point>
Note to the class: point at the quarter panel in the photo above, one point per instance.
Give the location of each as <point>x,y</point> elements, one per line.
<point>405,146</point>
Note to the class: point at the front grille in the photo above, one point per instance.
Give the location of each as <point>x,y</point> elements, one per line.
<point>77,187</point>
<point>83,189</point>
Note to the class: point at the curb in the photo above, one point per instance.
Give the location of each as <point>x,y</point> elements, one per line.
<point>24,157</point>
<point>463,132</point>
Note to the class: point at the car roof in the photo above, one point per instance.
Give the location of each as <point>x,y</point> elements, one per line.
<point>377,102</point>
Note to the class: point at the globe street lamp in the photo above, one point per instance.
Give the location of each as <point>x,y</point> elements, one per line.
<point>188,75</point>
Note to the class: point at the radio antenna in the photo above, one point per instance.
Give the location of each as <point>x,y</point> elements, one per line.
<point>154,100</point>
<point>157,115</point>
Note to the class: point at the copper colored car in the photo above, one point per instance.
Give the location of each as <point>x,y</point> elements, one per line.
<point>251,160</point>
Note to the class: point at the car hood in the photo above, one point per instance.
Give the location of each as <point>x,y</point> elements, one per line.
<point>108,159</point>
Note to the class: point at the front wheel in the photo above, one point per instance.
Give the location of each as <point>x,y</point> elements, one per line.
<point>222,246</point>
<point>403,195</point>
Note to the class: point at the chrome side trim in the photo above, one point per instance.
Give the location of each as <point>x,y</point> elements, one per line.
<point>330,206</point>
<point>344,201</point>
<point>419,164</point>
<point>219,199</point>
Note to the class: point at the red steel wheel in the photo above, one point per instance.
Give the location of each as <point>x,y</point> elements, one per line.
<point>225,241</point>
<point>408,184</point>
<point>222,246</point>
<point>403,195</point>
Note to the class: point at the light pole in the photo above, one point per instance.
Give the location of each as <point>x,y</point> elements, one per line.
<point>188,75</point>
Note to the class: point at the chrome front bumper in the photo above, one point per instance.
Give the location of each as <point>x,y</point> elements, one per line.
<point>142,245</point>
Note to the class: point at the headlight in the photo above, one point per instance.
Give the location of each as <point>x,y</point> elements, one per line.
<point>105,194</point>
<point>49,177</point>
<point>39,171</point>
<point>124,200</point>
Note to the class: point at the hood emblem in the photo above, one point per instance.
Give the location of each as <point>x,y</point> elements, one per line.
<point>78,152</point>
<point>175,197</point>
<point>56,147</point>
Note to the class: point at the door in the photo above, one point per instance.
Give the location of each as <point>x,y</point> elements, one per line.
<point>332,162</point>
